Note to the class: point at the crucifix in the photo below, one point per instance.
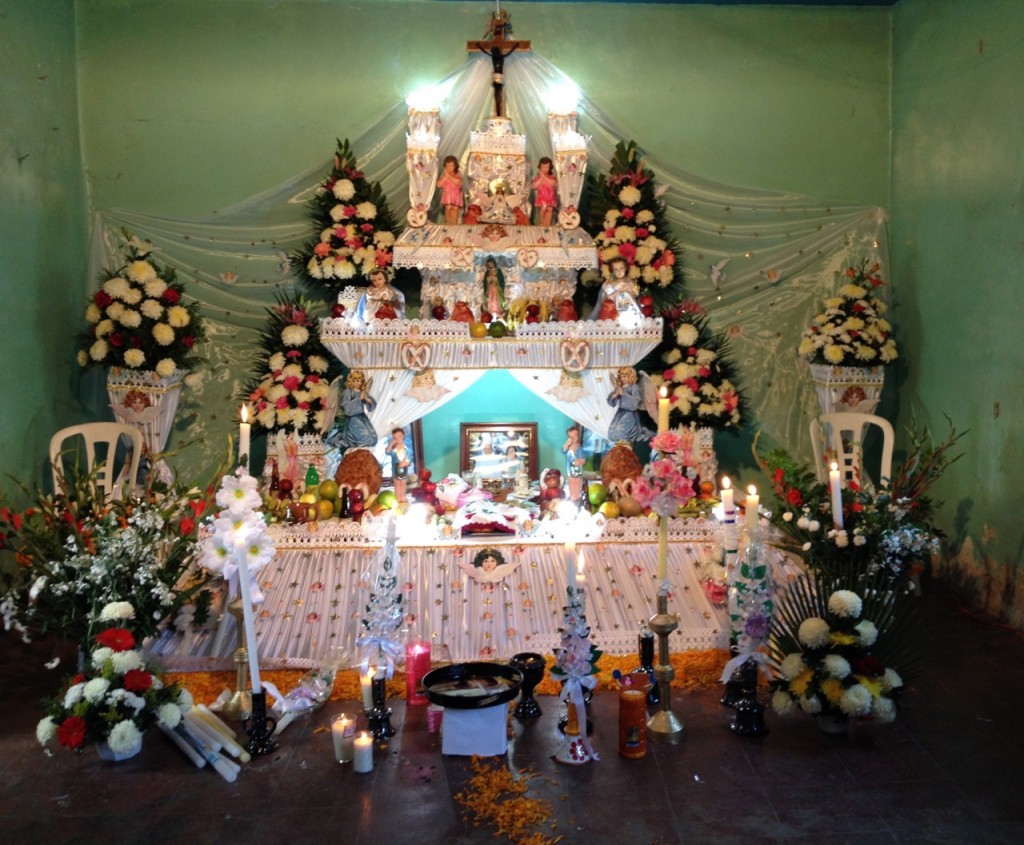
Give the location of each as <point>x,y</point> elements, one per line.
<point>497,45</point>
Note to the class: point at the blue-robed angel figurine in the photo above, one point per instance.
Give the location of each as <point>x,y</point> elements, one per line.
<point>627,398</point>
<point>354,402</point>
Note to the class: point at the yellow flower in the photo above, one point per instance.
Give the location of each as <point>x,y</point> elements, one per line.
<point>163,334</point>
<point>873,685</point>
<point>799,684</point>
<point>839,638</point>
<point>134,358</point>
<point>834,354</point>
<point>832,689</point>
<point>141,271</point>
<point>178,316</point>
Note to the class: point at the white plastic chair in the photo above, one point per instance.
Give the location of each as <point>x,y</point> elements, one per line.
<point>101,439</point>
<point>842,435</point>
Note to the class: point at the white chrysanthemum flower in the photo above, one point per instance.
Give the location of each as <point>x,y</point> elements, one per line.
<point>833,354</point>
<point>891,680</point>
<point>858,538</point>
<point>344,269</point>
<point>101,655</point>
<point>317,364</point>
<point>124,737</point>
<point>792,665</point>
<point>611,218</point>
<point>803,522</point>
<point>163,334</point>
<point>151,309</point>
<point>134,358</point>
<point>337,213</point>
<point>169,715</point>
<point>82,357</point>
<point>867,632</point>
<point>125,661</point>
<point>852,291</point>
<point>103,328</point>
<point>73,696</point>
<point>115,310</point>
<point>141,271</point>
<point>117,610</point>
<point>813,632</point>
<point>92,312</point>
<point>864,353</point>
<point>836,666</point>
<point>165,367</point>
<point>132,296</point>
<point>787,516</point>
<point>116,287</point>
<point>629,196</point>
<point>276,391</point>
<point>239,494</point>
<point>185,700</point>
<point>130,319</point>
<point>810,704</point>
<point>46,730</point>
<point>384,238</point>
<point>155,287</point>
<point>294,335</point>
<point>128,699</point>
<point>366,210</point>
<point>344,190</point>
<point>845,603</point>
<point>178,316</point>
<point>686,335</point>
<point>813,525</point>
<point>856,700</point>
<point>314,269</point>
<point>625,233</point>
<point>782,702</point>
<point>884,709</point>
<point>193,380</point>
<point>645,216</point>
<point>95,690</point>
<point>276,361</point>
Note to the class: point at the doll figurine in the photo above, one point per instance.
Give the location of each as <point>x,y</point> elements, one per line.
<point>380,301</point>
<point>545,187</point>
<point>618,294</point>
<point>494,290</point>
<point>399,453</point>
<point>450,184</point>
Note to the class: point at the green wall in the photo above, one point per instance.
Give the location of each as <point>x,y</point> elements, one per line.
<point>958,250</point>
<point>43,224</point>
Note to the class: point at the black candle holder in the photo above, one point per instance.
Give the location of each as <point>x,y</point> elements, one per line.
<point>379,716</point>
<point>749,720</point>
<point>532,666</point>
<point>645,645</point>
<point>259,727</point>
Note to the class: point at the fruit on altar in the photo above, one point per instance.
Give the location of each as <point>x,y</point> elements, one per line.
<point>478,329</point>
<point>486,316</point>
<point>285,485</point>
<point>424,474</point>
<point>619,465</point>
<point>597,493</point>
<point>461,313</point>
<point>628,506</point>
<point>609,510</point>
<point>608,311</point>
<point>707,490</point>
<point>387,499</point>
<point>308,498</point>
<point>439,509</point>
<point>566,312</point>
<point>359,469</point>
<point>325,508</point>
<point>429,487</point>
<point>497,329</point>
<point>646,303</point>
<point>533,310</point>
<point>337,310</point>
<point>439,312</point>
<point>328,490</point>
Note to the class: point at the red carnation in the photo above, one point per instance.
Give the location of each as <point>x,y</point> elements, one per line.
<point>71,732</point>
<point>119,639</point>
<point>136,680</point>
<point>171,295</point>
<point>102,298</point>
<point>366,227</point>
<point>628,213</point>
<point>627,251</point>
<point>187,340</point>
<point>641,232</point>
<point>188,525</point>
<point>116,340</point>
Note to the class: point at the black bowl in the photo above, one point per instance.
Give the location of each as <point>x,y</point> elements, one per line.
<point>454,685</point>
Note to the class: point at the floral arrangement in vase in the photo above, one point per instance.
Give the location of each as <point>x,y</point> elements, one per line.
<point>115,698</point>
<point>697,370</point>
<point>77,553</point>
<point>664,486</point>
<point>289,387</point>
<point>825,660</point>
<point>139,319</point>
<point>354,228</point>
<point>851,331</point>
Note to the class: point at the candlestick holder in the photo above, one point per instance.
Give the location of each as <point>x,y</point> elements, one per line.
<point>259,727</point>
<point>645,646</point>
<point>239,706</point>
<point>379,716</point>
<point>749,719</point>
<point>664,726</point>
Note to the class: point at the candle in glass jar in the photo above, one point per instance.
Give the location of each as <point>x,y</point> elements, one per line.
<point>417,664</point>
<point>343,732</point>
<point>363,753</point>
<point>836,488</point>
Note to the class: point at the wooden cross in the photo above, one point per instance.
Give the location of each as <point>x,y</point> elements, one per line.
<point>497,46</point>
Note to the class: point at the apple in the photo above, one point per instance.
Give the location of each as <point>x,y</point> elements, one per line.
<point>497,329</point>
<point>597,493</point>
<point>285,485</point>
<point>425,474</point>
<point>429,488</point>
<point>486,316</point>
<point>533,309</point>
<point>387,499</point>
<point>438,312</point>
<point>337,310</point>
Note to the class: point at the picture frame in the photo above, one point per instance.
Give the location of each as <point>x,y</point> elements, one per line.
<point>484,449</point>
<point>414,439</point>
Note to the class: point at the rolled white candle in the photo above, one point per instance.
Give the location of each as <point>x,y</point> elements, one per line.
<point>199,729</point>
<point>751,507</point>
<point>215,725</point>
<point>366,687</point>
<point>244,434</point>
<point>186,749</point>
<point>343,733</point>
<point>836,488</point>
<point>728,500</point>
<point>214,720</point>
<point>247,614</point>
<point>363,753</point>
<point>570,564</point>
<point>662,410</point>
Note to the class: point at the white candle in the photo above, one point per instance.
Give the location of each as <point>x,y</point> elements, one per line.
<point>728,501</point>
<point>247,616</point>
<point>570,564</point>
<point>581,574</point>
<point>662,409</point>
<point>244,432</point>
<point>366,687</point>
<point>835,485</point>
<point>363,753</point>
<point>751,507</point>
<point>662,548</point>
<point>343,732</point>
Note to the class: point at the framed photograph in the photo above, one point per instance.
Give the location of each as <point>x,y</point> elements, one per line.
<point>498,450</point>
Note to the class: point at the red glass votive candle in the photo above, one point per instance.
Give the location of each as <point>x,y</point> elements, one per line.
<point>417,664</point>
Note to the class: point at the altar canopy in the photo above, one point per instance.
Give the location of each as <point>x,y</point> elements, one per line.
<point>761,261</point>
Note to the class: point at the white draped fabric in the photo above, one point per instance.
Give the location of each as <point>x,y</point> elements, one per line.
<point>586,403</point>
<point>761,261</point>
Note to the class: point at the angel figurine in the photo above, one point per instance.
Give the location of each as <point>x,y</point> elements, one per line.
<point>355,401</point>
<point>627,397</point>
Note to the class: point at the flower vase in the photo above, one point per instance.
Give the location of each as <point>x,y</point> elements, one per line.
<point>147,401</point>
<point>108,754</point>
<point>833,723</point>
<point>855,389</point>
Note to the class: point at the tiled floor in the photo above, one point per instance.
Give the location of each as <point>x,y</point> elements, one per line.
<point>948,771</point>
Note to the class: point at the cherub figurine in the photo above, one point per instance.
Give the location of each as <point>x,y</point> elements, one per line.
<point>380,301</point>
<point>627,399</point>
<point>618,290</point>
<point>545,187</point>
<point>356,430</point>
<point>450,184</point>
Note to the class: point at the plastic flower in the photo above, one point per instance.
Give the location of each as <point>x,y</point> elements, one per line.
<point>813,632</point>
<point>46,730</point>
<point>856,700</point>
<point>836,666</point>
<point>239,494</point>
<point>124,736</point>
<point>845,603</point>
<point>117,639</point>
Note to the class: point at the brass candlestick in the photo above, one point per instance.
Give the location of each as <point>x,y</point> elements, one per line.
<point>664,726</point>
<point>239,706</point>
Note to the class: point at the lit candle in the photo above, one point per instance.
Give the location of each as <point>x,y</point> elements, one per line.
<point>835,485</point>
<point>751,507</point>
<point>363,753</point>
<point>247,615</point>
<point>343,732</point>
<point>581,574</point>
<point>570,564</point>
<point>663,409</point>
<point>244,431</point>
<point>366,687</point>
<point>417,664</point>
<point>663,549</point>
<point>728,501</point>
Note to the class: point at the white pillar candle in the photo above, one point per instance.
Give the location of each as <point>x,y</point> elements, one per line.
<point>728,500</point>
<point>343,732</point>
<point>363,753</point>
<point>751,508</point>
<point>662,549</point>
<point>244,433</point>
<point>570,564</point>
<point>247,614</point>
<point>836,487</point>
<point>366,687</point>
<point>581,573</point>
<point>662,409</point>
